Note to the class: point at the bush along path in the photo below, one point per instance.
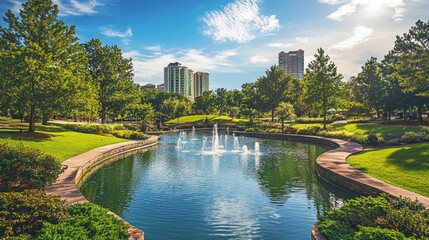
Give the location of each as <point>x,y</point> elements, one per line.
<point>27,212</point>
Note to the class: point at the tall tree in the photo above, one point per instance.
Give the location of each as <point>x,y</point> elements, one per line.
<point>323,83</point>
<point>412,65</point>
<point>223,97</point>
<point>205,104</point>
<point>273,88</point>
<point>47,61</point>
<point>369,86</point>
<point>113,76</point>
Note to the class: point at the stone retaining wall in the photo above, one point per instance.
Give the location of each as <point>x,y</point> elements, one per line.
<point>332,167</point>
<point>84,164</point>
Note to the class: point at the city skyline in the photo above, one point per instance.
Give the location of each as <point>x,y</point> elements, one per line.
<point>237,40</point>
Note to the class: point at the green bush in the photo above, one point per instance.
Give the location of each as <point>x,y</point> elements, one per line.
<point>377,233</point>
<point>127,134</point>
<point>273,130</point>
<point>415,137</point>
<point>86,222</point>
<point>255,129</point>
<point>376,218</point>
<point>357,120</point>
<point>336,134</point>
<point>372,140</point>
<point>310,130</point>
<point>23,167</point>
<point>310,120</point>
<point>95,128</point>
<point>23,213</point>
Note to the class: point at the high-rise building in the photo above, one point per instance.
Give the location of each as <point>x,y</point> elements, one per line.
<point>293,63</point>
<point>179,79</point>
<point>201,83</point>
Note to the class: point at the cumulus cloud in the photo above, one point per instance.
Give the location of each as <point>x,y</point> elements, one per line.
<point>108,31</point>
<point>331,2</point>
<point>77,8</point>
<point>360,35</point>
<point>280,45</point>
<point>349,7</point>
<point>239,21</point>
<point>258,59</point>
<point>156,48</point>
<point>150,67</point>
<point>302,39</point>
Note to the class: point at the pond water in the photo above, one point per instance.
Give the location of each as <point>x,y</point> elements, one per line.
<point>179,191</point>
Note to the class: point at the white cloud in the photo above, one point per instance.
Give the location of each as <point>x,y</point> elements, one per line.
<point>156,48</point>
<point>302,39</point>
<point>77,8</point>
<point>239,21</point>
<point>371,7</point>
<point>150,67</point>
<point>108,31</point>
<point>360,35</point>
<point>16,5</point>
<point>331,2</point>
<point>280,45</point>
<point>258,59</point>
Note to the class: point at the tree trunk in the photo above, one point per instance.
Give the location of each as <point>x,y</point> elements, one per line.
<point>324,119</point>
<point>390,117</point>
<point>272,115</point>
<point>420,112</point>
<point>103,117</point>
<point>283,125</point>
<point>32,124</point>
<point>45,119</point>
<point>377,109</point>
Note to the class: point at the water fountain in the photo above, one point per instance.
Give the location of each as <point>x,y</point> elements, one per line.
<point>257,148</point>
<point>244,150</point>
<point>193,138</point>
<point>236,144</point>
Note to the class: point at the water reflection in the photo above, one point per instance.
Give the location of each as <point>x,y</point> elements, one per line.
<point>168,192</point>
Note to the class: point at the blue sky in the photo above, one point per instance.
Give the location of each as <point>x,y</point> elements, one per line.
<point>237,40</point>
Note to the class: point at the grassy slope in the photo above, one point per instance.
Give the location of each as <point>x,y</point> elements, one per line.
<point>63,144</point>
<point>404,166</point>
<point>377,129</point>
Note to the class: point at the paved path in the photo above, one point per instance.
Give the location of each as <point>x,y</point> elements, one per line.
<point>65,186</point>
<point>334,162</point>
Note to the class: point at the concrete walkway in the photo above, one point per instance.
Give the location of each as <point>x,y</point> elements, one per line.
<point>66,187</point>
<point>333,167</point>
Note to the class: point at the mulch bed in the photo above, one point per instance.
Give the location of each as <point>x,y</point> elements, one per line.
<point>34,135</point>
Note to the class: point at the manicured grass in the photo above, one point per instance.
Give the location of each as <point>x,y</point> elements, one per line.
<point>404,166</point>
<point>305,125</point>
<point>376,129</point>
<point>62,144</point>
<point>192,119</point>
<point>8,120</point>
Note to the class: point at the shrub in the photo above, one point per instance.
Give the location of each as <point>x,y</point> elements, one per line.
<point>23,167</point>
<point>86,221</point>
<point>255,129</point>
<point>336,134</point>
<point>357,120</point>
<point>127,134</point>
<point>415,137</point>
<point>95,128</point>
<point>309,120</point>
<point>372,140</point>
<point>273,130</point>
<point>24,212</point>
<point>376,218</point>
<point>310,130</point>
<point>376,233</point>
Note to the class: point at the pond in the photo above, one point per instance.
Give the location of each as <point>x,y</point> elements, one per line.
<point>227,190</point>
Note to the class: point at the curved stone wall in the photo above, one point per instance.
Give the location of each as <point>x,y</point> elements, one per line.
<point>79,166</point>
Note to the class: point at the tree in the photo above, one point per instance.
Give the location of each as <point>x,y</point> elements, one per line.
<point>250,100</point>
<point>113,76</point>
<point>411,51</point>
<point>285,112</point>
<point>323,83</point>
<point>47,63</point>
<point>205,104</point>
<point>223,97</point>
<point>273,88</point>
<point>369,87</point>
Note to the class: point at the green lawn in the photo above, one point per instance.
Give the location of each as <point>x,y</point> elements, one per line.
<point>376,129</point>
<point>62,144</point>
<point>192,119</point>
<point>8,120</point>
<point>305,125</point>
<point>404,166</point>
